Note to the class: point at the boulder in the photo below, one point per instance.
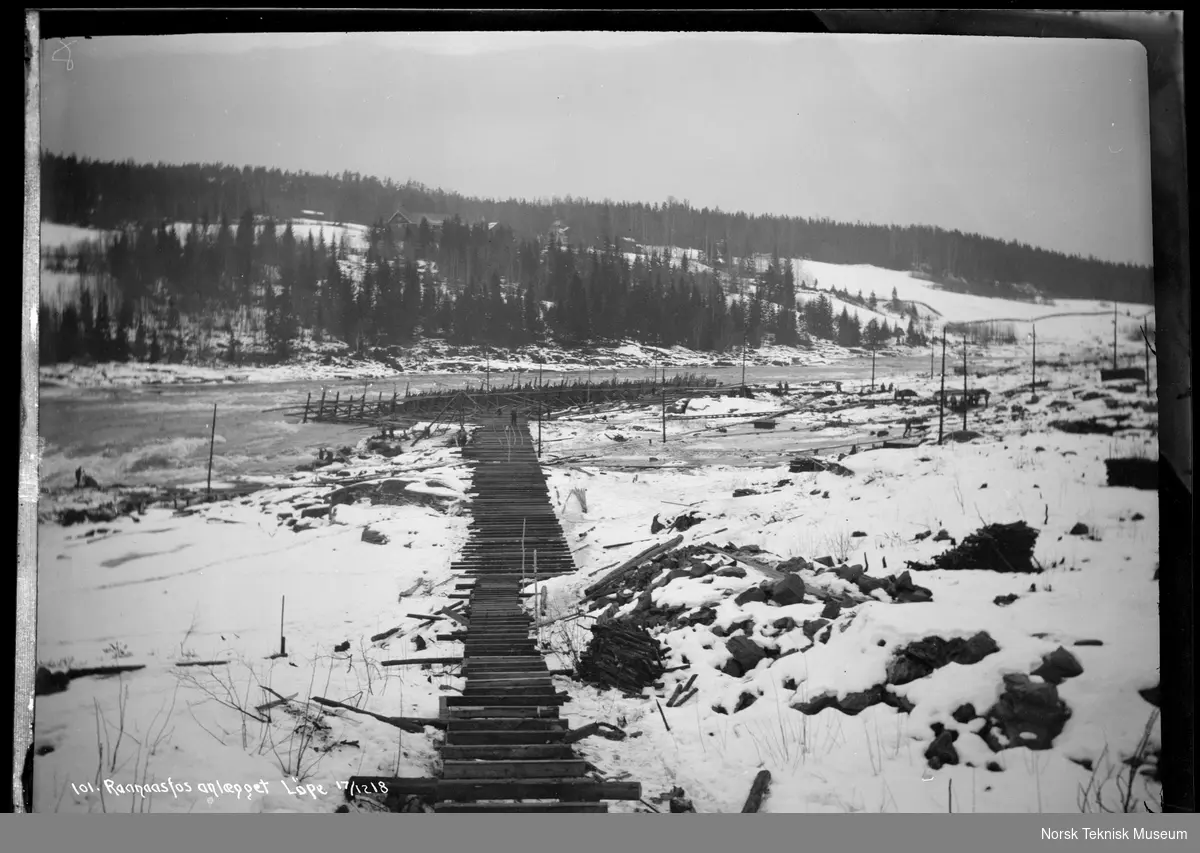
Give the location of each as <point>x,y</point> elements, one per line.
<point>825,561</point>
<point>1058,666</point>
<point>831,610</point>
<point>964,713</point>
<point>742,493</point>
<point>730,572</point>
<point>1005,600</point>
<point>1028,713</point>
<point>918,659</point>
<point>314,512</point>
<point>784,623</point>
<point>746,653</point>
<point>788,590</point>
<point>850,573</point>
<point>942,751</point>
<point>812,626</point>
<point>795,564</point>
<point>373,536</point>
<point>751,594</point>
<point>1080,529</point>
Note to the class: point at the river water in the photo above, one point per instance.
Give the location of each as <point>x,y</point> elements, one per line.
<point>160,434</point>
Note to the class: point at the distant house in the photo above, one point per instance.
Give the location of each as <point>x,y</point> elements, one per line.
<point>559,230</point>
<point>402,218</point>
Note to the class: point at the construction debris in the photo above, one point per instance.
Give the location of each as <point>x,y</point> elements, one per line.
<point>995,547</point>
<point>621,656</point>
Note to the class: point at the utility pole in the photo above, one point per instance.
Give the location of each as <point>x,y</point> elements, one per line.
<point>872,367</point>
<point>539,429</point>
<point>1114,334</point>
<point>1146,340</point>
<point>1033,381</point>
<point>488,375</point>
<point>211,442</point>
<point>932,350</point>
<point>964,400</point>
<point>743,358</point>
<point>664,415</point>
<point>942,397</point>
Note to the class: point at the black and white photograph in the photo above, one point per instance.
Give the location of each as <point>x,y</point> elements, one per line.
<point>596,421</point>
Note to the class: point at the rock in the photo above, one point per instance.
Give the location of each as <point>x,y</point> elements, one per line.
<point>682,805</point>
<point>941,536</point>
<point>314,512</point>
<point>342,809</point>
<point>795,564</point>
<point>920,537</point>
<point>1027,714</point>
<point>942,751</point>
<point>825,561</point>
<point>994,767</point>
<point>1137,516</point>
<point>825,635</point>
<point>342,647</point>
<point>964,713</point>
<point>849,573</point>
<point>868,584</point>
<point>789,590</point>
<point>858,533</point>
<point>703,616</point>
<point>918,659</point>
<point>812,626</point>
<point>746,653</point>
<point>784,623</point>
<point>745,701</point>
<point>1005,600</point>
<point>904,591</point>
<point>373,536</point>
<point>731,572</point>
<point>831,610</point>
<point>419,643</point>
<point>1089,642</point>
<point>1058,666</point>
<point>741,493</point>
<point>1080,529</point>
<point>751,594</point>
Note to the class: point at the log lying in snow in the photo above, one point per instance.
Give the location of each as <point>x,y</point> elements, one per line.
<point>201,663</point>
<point>384,635</point>
<point>682,691</point>
<point>415,725</point>
<point>603,729</point>
<point>773,574</point>
<point>596,589</point>
<point>758,791</point>
<point>414,661</point>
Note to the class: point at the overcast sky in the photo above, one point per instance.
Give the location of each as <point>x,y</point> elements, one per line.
<point>1039,140</point>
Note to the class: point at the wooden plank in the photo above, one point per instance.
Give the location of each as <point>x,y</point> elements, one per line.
<point>502,700</point>
<point>509,724</point>
<point>452,769</point>
<point>577,789</point>
<point>409,724</point>
<point>415,661</point>
<point>496,737</point>
<point>494,714</point>
<point>758,791</point>
<point>632,563</point>
<point>506,752</point>
<point>523,808</point>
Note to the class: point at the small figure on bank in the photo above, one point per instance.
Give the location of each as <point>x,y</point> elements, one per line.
<point>907,426</point>
<point>513,417</point>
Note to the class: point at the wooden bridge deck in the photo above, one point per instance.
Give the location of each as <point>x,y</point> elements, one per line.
<point>506,747</point>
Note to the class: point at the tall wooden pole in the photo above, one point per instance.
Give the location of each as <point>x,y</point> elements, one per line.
<point>1146,340</point>
<point>539,429</point>
<point>1114,334</point>
<point>932,350</point>
<point>964,400</point>
<point>872,367</point>
<point>211,443</point>
<point>942,398</point>
<point>664,415</point>
<point>1033,381</point>
<point>743,358</point>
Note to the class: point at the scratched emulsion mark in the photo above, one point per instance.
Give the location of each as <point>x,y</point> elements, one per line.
<point>63,54</point>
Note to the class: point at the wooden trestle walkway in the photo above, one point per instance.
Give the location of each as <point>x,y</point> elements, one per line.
<point>507,748</point>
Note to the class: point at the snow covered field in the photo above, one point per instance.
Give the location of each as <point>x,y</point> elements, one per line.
<point>208,584</point>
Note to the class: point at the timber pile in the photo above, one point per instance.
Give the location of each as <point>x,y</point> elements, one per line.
<point>621,656</point>
<point>995,547</point>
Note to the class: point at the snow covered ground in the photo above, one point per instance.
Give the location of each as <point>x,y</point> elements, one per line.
<point>208,584</point>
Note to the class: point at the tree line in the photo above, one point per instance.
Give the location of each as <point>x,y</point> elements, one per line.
<point>469,284</point>
<point>109,194</point>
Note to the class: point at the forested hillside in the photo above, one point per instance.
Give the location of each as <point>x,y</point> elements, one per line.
<point>104,195</point>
